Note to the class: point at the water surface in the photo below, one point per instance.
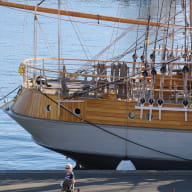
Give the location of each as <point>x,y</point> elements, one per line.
<point>17,149</point>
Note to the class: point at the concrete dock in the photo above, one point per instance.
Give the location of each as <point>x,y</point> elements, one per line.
<point>98,181</point>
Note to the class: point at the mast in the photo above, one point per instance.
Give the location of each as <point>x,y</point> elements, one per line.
<point>190,16</point>
<point>190,13</point>
<point>59,35</point>
<point>80,14</point>
<point>59,55</point>
<point>35,41</point>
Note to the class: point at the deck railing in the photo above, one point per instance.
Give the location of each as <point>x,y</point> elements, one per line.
<point>124,78</point>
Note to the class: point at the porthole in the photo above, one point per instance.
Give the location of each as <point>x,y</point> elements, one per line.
<point>131,115</point>
<point>48,108</point>
<point>147,117</point>
<point>77,111</point>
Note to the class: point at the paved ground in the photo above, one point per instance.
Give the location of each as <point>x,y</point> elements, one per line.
<point>98,181</point>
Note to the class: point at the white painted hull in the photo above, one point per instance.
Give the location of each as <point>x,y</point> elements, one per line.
<point>81,138</point>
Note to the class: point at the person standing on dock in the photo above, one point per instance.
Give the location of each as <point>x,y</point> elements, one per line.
<point>69,180</point>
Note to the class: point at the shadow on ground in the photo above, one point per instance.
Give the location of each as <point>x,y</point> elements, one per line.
<point>98,181</point>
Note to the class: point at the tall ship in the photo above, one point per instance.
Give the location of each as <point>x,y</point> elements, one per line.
<point>101,111</point>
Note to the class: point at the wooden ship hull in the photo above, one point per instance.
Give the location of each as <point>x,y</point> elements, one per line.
<point>110,136</point>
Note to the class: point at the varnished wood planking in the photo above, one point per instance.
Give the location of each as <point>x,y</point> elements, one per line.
<point>107,110</point>
<point>33,103</point>
<point>107,118</point>
<point>101,121</point>
<point>115,111</point>
<point>65,115</point>
<point>103,103</point>
<point>22,102</point>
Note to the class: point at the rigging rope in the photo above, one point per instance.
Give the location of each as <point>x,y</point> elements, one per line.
<point>137,36</point>
<point>4,97</point>
<point>146,42</point>
<point>51,51</point>
<point>158,20</point>
<point>87,64</point>
<point>71,20</point>
<point>40,2</point>
<point>8,102</point>
<point>115,33</point>
<point>79,37</point>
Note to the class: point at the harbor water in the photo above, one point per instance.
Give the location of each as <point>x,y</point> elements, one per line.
<point>17,149</point>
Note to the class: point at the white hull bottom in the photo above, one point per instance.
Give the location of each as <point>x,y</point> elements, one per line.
<point>95,148</point>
